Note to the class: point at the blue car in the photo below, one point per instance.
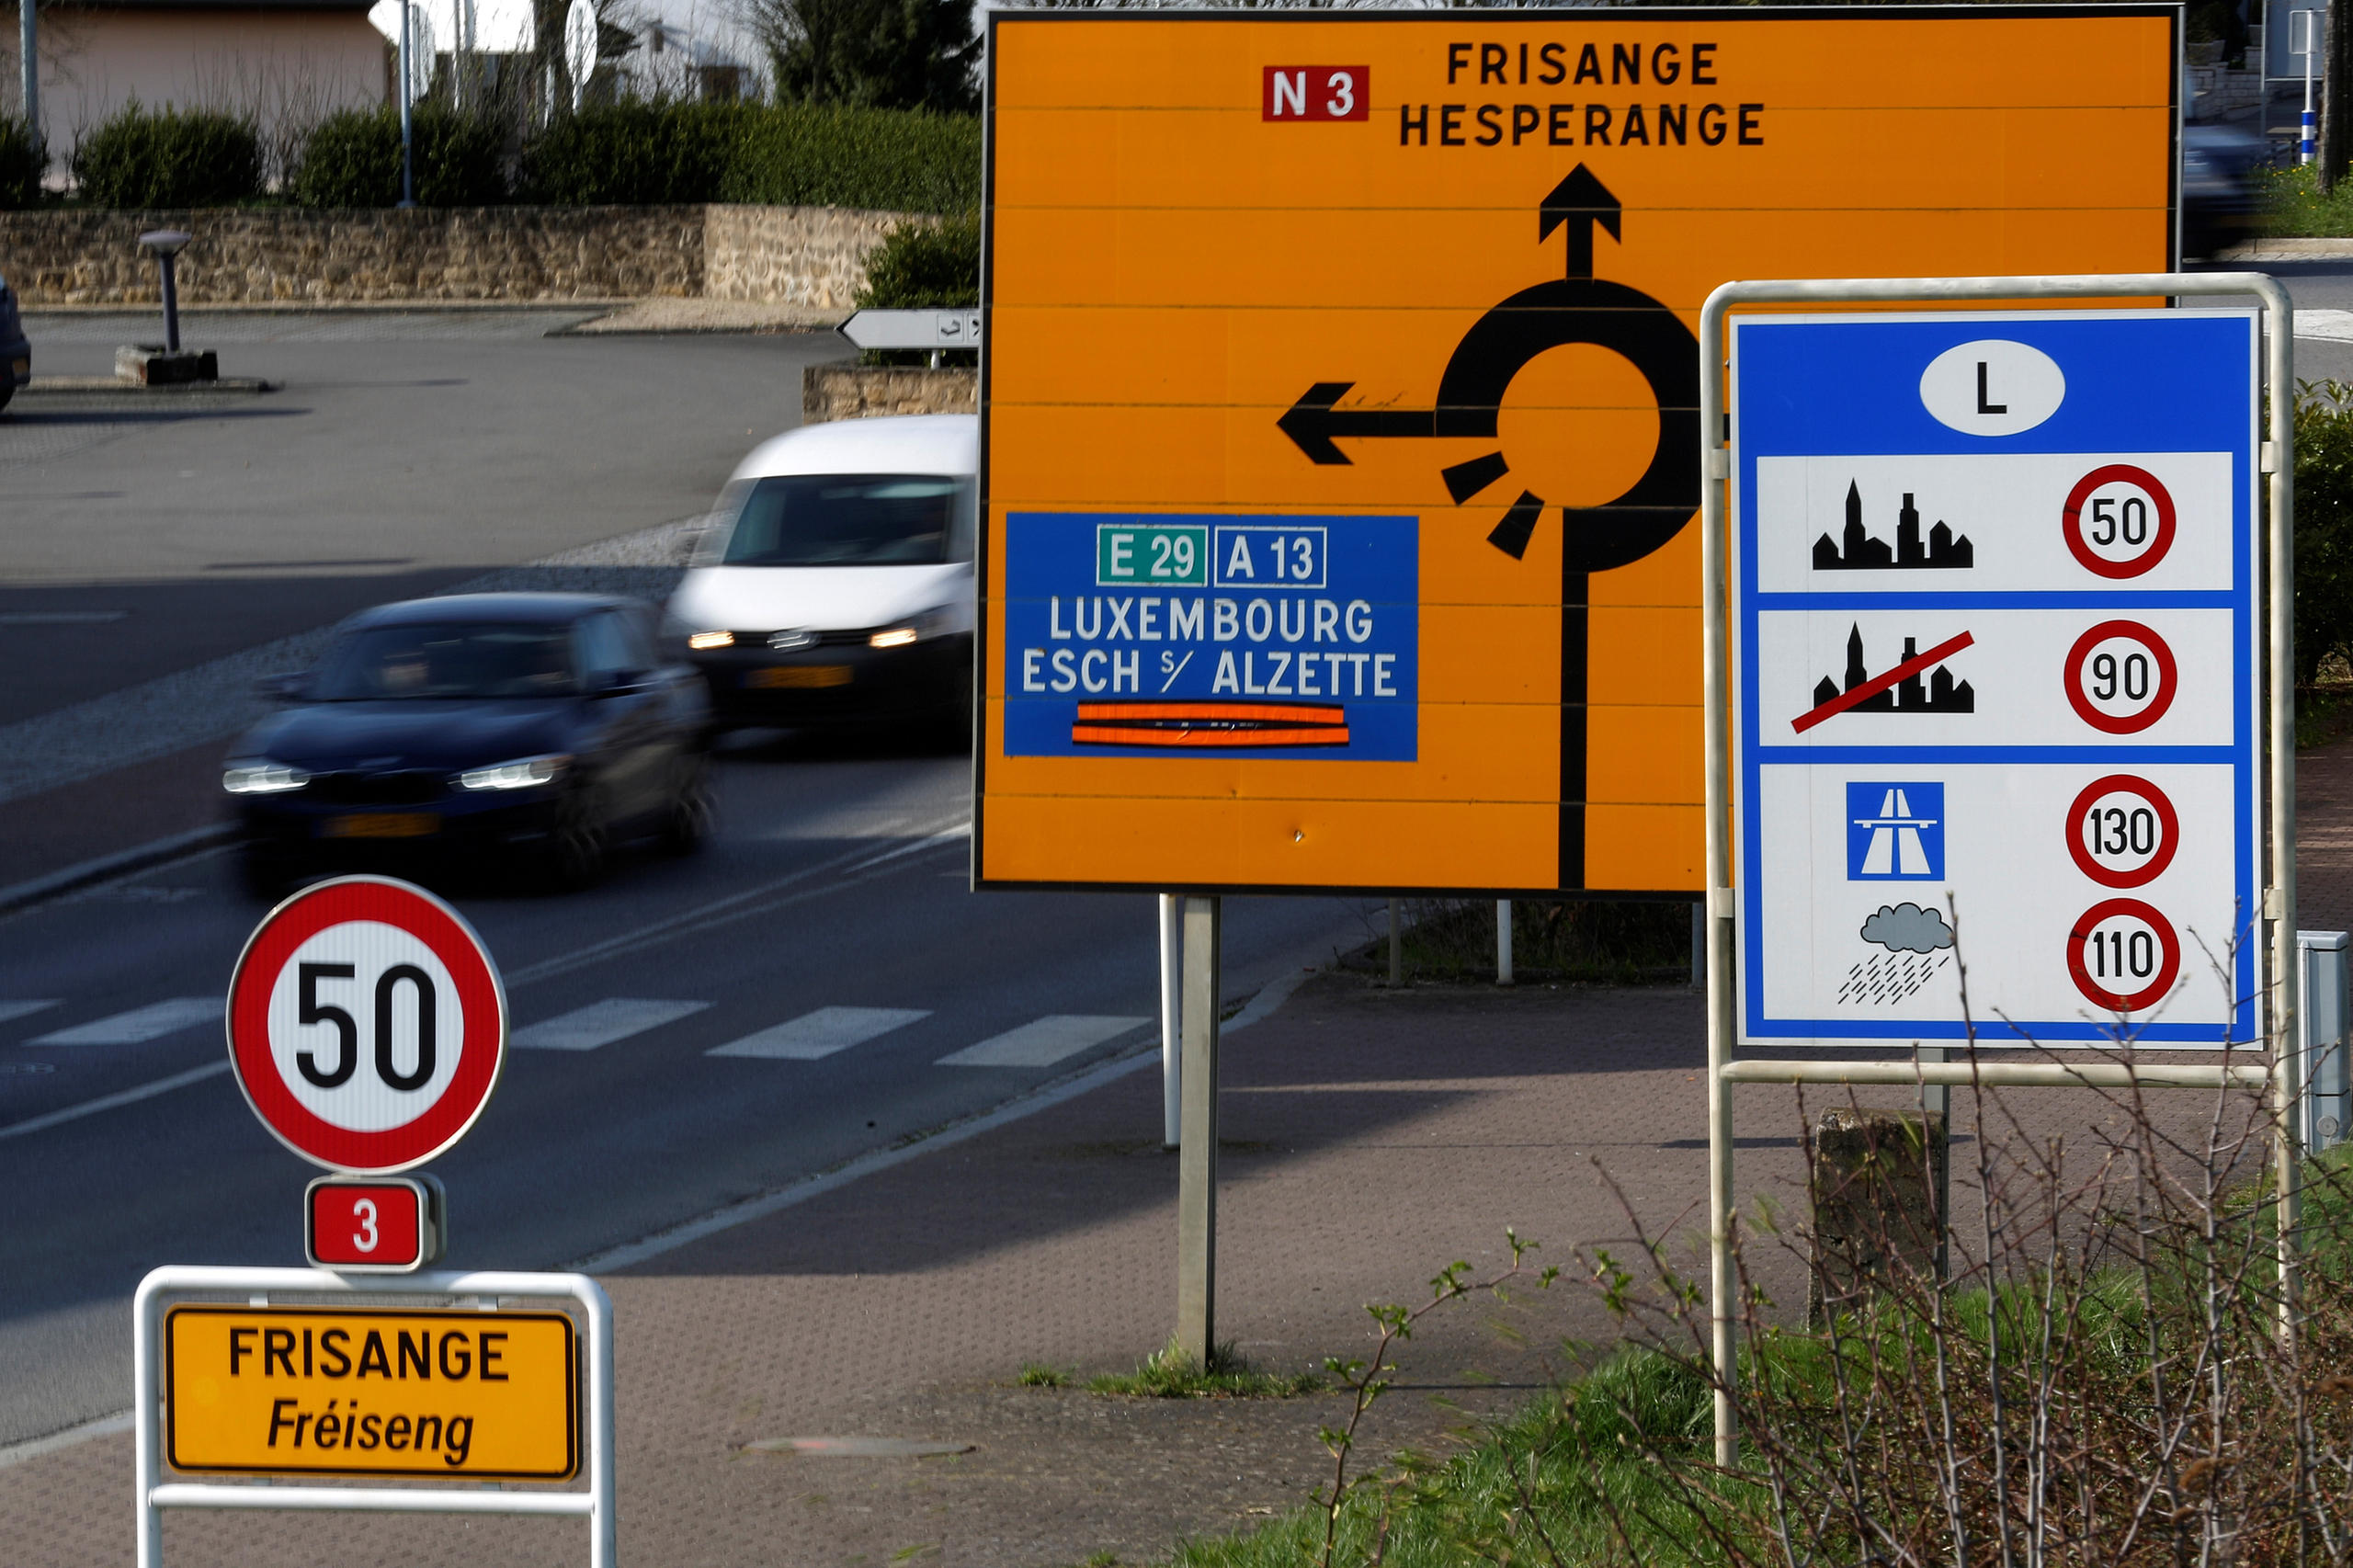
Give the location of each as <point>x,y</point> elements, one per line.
<point>530,731</point>
<point>16,353</point>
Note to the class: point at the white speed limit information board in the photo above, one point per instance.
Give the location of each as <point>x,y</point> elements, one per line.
<point>367,1025</point>
<point>1998,669</point>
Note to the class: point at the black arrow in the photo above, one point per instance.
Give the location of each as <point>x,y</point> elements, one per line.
<point>1580,202</point>
<point>1313,422</point>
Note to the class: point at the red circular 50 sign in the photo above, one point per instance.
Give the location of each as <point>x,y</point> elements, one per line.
<point>366,1025</point>
<point>2119,521</point>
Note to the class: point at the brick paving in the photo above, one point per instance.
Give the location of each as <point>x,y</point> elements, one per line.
<point>1371,1137</point>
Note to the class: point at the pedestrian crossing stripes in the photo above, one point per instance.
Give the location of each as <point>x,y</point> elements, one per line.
<point>811,1037</point>
<point>601,1023</point>
<point>1041,1042</point>
<point>140,1025</point>
<point>815,1035</point>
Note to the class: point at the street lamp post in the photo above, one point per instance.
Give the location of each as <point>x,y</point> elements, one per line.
<point>408,79</point>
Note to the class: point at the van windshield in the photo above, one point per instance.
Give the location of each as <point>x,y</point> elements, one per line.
<point>848,519</point>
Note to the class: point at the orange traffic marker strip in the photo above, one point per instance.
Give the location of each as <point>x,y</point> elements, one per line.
<point>1214,724</point>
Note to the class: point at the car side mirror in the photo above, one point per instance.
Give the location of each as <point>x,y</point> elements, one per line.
<point>281,687</point>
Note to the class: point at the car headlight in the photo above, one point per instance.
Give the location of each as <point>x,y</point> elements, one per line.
<point>262,779</point>
<point>706,640</point>
<point>929,624</point>
<point>523,773</point>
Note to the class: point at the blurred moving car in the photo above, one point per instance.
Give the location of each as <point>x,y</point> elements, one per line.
<point>16,353</point>
<point>542,727</point>
<point>2220,204</point>
<point>835,580</point>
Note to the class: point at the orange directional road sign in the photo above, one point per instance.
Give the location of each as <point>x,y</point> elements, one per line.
<point>1340,399</point>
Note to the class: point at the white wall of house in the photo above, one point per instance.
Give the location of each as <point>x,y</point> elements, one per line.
<point>284,68</point>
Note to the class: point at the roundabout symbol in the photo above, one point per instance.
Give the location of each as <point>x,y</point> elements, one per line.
<point>1576,309</point>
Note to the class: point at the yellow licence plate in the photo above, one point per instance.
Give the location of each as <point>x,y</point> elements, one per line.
<point>383,825</point>
<point>800,675</point>
<point>22,367</point>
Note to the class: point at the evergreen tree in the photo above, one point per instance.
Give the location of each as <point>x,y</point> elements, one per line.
<point>873,53</point>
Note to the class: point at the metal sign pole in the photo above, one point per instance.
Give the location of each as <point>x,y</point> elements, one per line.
<point>2283,1071</point>
<point>1172,1020</point>
<point>1197,1159</point>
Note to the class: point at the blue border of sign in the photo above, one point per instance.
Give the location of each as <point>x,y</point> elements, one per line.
<point>1847,386</point>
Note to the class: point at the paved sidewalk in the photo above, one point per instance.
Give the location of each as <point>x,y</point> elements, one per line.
<point>1371,1137</point>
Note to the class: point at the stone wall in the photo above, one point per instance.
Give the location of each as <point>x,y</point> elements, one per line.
<point>812,256</point>
<point>793,256</point>
<point>856,391</point>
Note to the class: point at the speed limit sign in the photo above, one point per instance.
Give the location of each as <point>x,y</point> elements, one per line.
<point>367,1025</point>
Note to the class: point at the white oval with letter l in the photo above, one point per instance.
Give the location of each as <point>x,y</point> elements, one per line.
<point>1992,387</point>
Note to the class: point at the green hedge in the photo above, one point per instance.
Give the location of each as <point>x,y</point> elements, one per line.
<point>926,266</point>
<point>353,159</point>
<point>2324,525</point>
<point>627,155</point>
<point>635,154</point>
<point>20,165</point>
<point>169,157</point>
<point>896,160</point>
<point>891,160</point>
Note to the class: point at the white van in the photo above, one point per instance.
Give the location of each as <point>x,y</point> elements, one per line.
<point>834,582</point>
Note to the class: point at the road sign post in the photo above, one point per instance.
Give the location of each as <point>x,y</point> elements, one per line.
<point>1340,423</point>
<point>197,1411</point>
<point>2034,678</point>
<point>367,1027</point>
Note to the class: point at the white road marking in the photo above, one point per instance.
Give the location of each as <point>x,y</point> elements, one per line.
<point>821,1033</point>
<point>1041,1042</point>
<point>2336,325</point>
<point>11,1011</point>
<point>601,1023</point>
<point>108,1102</point>
<point>1273,994</point>
<point>140,1025</point>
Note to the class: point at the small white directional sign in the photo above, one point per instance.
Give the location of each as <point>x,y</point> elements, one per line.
<point>913,329</point>
<point>1997,673</point>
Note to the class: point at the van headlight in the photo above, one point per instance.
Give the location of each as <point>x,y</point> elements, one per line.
<point>920,629</point>
<point>523,773</point>
<point>262,778</point>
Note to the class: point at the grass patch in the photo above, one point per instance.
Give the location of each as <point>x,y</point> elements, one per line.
<point>2294,208</point>
<point>1615,1470</point>
<point>1038,1375</point>
<point>1172,1373</point>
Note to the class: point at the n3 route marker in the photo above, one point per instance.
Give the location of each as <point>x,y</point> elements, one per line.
<point>1996,639</point>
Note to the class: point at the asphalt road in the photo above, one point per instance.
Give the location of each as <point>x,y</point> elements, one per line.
<point>169,542</point>
<point>838,882</point>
